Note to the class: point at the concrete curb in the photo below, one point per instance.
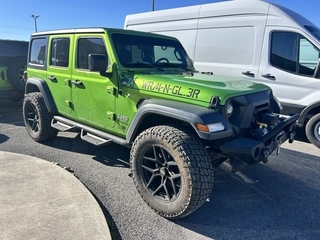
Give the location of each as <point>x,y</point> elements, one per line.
<point>40,200</point>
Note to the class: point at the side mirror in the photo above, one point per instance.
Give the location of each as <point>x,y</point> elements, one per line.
<point>97,62</point>
<point>316,73</point>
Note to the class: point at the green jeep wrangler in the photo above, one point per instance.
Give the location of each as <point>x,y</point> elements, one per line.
<point>140,90</point>
<point>13,61</point>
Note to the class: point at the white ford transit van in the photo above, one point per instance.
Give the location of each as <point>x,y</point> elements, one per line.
<point>255,39</point>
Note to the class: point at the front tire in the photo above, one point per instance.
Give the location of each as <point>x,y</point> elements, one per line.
<point>313,130</point>
<point>171,170</point>
<point>37,118</point>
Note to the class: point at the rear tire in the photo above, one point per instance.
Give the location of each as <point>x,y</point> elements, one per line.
<point>171,170</point>
<point>37,118</point>
<point>313,130</point>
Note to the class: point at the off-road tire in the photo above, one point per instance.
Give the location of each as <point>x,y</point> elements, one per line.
<point>15,73</point>
<point>313,130</point>
<point>171,170</point>
<point>37,119</point>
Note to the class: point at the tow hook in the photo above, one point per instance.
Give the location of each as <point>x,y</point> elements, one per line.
<point>265,155</point>
<point>291,137</point>
<point>278,141</point>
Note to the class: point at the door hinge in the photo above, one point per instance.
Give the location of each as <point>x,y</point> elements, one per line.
<point>111,90</point>
<point>111,116</point>
<point>67,82</point>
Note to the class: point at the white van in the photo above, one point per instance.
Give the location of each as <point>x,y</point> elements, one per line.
<point>254,39</point>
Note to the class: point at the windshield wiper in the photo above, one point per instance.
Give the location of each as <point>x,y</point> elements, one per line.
<point>148,65</point>
<point>165,64</point>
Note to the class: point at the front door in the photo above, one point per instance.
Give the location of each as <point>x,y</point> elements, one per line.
<point>93,95</point>
<point>292,59</point>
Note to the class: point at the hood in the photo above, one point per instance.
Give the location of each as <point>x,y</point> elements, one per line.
<point>197,86</point>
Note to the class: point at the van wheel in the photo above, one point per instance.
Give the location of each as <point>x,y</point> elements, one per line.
<point>37,118</point>
<point>15,73</point>
<point>313,130</point>
<point>171,170</point>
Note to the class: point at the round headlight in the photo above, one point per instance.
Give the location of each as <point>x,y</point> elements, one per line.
<point>229,109</point>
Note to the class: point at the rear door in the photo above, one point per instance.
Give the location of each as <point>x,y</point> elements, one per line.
<point>59,70</point>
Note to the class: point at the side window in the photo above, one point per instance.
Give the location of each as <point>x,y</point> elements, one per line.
<point>38,51</point>
<point>88,46</point>
<point>59,54</point>
<point>293,53</point>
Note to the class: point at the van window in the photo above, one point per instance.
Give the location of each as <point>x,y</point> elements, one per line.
<point>38,51</point>
<point>59,55</point>
<point>293,53</point>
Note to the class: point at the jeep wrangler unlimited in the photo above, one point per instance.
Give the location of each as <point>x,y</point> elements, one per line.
<point>140,90</point>
<point>13,61</point>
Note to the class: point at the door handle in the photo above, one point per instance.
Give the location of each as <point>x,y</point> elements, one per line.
<point>77,83</point>
<point>248,73</point>
<point>52,78</point>
<point>269,76</point>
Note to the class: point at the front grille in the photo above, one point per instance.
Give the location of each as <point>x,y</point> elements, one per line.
<point>247,109</point>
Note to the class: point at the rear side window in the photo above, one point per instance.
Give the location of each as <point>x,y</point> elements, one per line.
<point>293,53</point>
<point>59,54</point>
<point>38,51</point>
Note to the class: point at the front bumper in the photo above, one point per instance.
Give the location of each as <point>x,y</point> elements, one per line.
<point>252,150</point>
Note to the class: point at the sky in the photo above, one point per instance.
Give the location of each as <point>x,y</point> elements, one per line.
<point>16,22</point>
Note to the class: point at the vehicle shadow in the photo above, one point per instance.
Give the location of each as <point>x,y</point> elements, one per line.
<point>111,154</point>
<point>11,113</point>
<point>3,138</point>
<point>278,200</point>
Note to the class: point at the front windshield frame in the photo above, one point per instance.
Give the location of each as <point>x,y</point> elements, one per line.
<point>141,51</point>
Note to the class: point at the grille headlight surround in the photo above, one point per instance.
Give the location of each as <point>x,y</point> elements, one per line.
<point>229,109</point>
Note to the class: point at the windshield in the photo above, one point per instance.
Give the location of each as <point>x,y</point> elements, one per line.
<point>136,51</point>
<point>314,31</point>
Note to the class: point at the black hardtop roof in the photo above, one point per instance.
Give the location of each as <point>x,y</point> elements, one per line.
<point>93,30</point>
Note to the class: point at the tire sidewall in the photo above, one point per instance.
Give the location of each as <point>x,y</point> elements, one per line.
<point>164,208</point>
<point>310,130</point>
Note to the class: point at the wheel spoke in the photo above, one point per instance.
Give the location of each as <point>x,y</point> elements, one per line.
<point>158,155</point>
<point>158,188</point>
<point>152,178</point>
<point>175,187</point>
<point>172,163</point>
<point>166,189</point>
<point>149,169</point>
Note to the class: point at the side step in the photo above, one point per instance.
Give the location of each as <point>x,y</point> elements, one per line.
<point>93,139</point>
<point>61,126</point>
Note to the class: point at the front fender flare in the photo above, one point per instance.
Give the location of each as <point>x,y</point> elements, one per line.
<point>185,112</point>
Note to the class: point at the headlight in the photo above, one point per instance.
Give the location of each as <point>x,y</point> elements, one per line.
<point>229,109</point>
<point>213,127</point>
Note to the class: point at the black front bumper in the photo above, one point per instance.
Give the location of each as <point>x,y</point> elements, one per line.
<point>252,150</point>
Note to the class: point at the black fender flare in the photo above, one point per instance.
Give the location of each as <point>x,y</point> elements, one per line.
<point>305,111</point>
<point>38,84</point>
<point>181,111</point>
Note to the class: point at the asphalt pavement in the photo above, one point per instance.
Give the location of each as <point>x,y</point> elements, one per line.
<point>41,200</point>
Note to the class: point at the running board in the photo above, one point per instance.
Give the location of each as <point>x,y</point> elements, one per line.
<point>89,134</point>
<point>93,139</point>
<point>61,126</point>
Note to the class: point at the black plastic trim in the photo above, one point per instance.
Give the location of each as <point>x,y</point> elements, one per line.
<point>181,111</point>
<point>44,89</point>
